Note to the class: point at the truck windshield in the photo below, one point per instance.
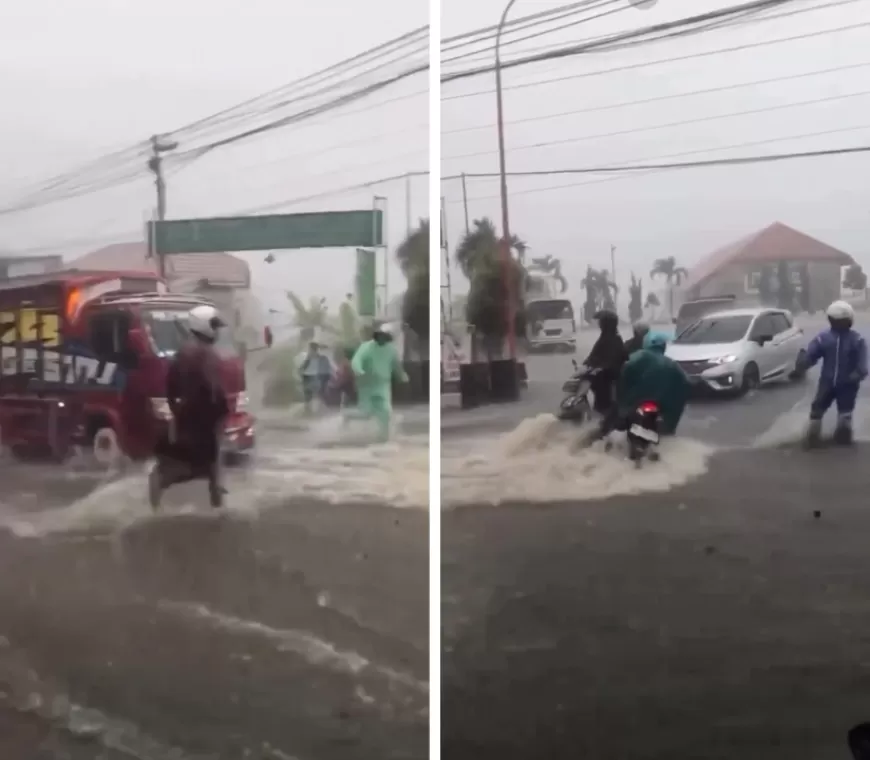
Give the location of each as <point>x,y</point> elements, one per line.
<point>168,330</point>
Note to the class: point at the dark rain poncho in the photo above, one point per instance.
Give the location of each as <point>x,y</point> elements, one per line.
<point>649,375</point>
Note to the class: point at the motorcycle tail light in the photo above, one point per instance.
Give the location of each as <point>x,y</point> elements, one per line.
<point>649,407</point>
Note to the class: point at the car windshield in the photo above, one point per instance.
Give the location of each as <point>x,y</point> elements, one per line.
<point>692,310</point>
<point>168,330</point>
<point>559,308</point>
<point>716,330</point>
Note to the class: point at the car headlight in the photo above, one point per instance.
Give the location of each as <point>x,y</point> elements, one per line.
<point>160,407</point>
<point>242,401</point>
<point>724,359</point>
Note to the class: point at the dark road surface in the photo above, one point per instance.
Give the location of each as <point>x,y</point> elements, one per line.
<point>297,630</point>
<point>721,620</point>
<point>715,621</point>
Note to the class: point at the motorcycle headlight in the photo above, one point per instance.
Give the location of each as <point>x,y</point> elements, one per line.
<point>160,407</point>
<point>724,359</point>
<point>242,402</point>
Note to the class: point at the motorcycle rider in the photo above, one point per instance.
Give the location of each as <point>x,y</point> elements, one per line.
<point>374,365</point>
<point>190,449</point>
<point>607,356</point>
<point>843,354</point>
<point>635,342</point>
<point>649,375</point>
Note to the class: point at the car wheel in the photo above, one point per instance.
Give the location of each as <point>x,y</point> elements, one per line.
<point>751,379</point>
<point>799,373</point>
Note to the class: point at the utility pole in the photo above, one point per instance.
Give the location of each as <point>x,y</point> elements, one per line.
<point>613,275</point>
<point>159,146</point>
<point>408,204</point>
<point>465,203</point>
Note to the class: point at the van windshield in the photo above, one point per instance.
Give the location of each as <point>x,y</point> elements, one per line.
<point>557,308</point>
<point>168,330</point>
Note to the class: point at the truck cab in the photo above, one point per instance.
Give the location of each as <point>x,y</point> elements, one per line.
<point>83,363</point>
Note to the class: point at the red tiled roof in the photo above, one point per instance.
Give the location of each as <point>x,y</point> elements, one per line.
<point>773,244</point>
<point>219,269</point>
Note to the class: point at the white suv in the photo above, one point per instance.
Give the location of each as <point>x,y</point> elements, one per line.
<point>739,349</point>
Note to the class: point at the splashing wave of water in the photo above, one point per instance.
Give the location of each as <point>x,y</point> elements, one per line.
<point>543,461</point>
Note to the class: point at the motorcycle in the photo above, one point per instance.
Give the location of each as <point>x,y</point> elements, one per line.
<point>575,406</point>
<point>642,432</point>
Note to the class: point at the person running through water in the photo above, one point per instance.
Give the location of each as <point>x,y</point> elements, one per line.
<point>843,354</point>
<point>190,449</point>
<point>374,365</point>
<point>316,372</point>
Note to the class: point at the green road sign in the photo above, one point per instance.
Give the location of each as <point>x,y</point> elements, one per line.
<point>366,282</point>
<point>332,229</point>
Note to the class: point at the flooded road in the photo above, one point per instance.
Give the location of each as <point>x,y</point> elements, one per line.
<point>294,624</point>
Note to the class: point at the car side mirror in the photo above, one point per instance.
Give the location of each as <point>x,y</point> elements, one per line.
<point>762,339</point>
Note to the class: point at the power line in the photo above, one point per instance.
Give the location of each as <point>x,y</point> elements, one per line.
<point>660,61</point>
<point>667,125</point>
<point>661,98</point>
<point>659,157</point>
<point>486,55</point>
<point>678,28</point>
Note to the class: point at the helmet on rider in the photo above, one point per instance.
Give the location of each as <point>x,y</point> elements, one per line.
<point>655,341</point>
<point>204,322</point>
<point>640,329</point>
<point>607,320</point>
<point>383,333</point>
<point>840,316</point>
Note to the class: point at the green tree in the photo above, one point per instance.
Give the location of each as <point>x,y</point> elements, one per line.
<point>854,278</point>
<point>635,299</point>
<point>673,275</point>
<point>590,284</point>
<point>413,258</point>
<point>479,258</point>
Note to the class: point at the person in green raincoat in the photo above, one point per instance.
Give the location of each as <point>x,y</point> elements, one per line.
<point>649,375</point>
<point>374,364</point>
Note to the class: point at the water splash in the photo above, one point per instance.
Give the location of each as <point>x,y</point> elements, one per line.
<point>543,460</point>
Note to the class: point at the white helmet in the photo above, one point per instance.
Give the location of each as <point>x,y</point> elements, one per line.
<point>205,321</point>
<point>840,310</point>
<point>384,329</point>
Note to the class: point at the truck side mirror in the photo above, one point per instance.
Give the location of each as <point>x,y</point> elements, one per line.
<point>137,347</point>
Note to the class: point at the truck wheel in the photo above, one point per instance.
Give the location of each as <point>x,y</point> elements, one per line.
<point>105,448</point>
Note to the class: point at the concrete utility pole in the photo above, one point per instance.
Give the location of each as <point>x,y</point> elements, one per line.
<point>159,146</point>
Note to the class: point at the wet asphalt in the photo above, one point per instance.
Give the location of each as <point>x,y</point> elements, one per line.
<point>720,620</point>
<point>299,632</point>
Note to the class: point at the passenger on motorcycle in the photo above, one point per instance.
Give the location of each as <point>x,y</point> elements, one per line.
<point>607,356</point>
<point>843,354</point>
<point>635,342</point>
<point>649,375</point>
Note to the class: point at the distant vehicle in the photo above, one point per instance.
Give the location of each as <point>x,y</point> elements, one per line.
<point>737,350</point>
<point>693,310</point>
<point>84,361</point>
<point>551,324</point>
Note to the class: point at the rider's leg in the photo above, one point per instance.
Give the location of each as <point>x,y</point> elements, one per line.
<point>825,396</point>
<point>382,413</point>
<point>845,398</point>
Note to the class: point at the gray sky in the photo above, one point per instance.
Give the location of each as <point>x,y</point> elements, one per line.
<point>688,213</point>
<point>81,79</point>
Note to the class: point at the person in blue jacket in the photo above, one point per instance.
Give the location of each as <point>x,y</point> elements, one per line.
<point>843,354</point>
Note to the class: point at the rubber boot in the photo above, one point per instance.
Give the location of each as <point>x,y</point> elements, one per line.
<point>814,434</point>
<point>843,431</point>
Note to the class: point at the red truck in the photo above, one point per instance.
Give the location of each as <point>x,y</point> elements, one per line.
<point>83,362</point>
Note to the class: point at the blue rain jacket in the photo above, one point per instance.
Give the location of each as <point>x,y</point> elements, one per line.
<point>843,356</point>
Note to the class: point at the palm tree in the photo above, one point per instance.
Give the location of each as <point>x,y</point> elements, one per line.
<point>552,266</point>
<point>673,275</point>
<point>480,245</point>
<point>309,319</point>
<point>413,253</point>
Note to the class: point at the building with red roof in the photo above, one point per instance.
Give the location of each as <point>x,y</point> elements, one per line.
<point>739,267</point>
